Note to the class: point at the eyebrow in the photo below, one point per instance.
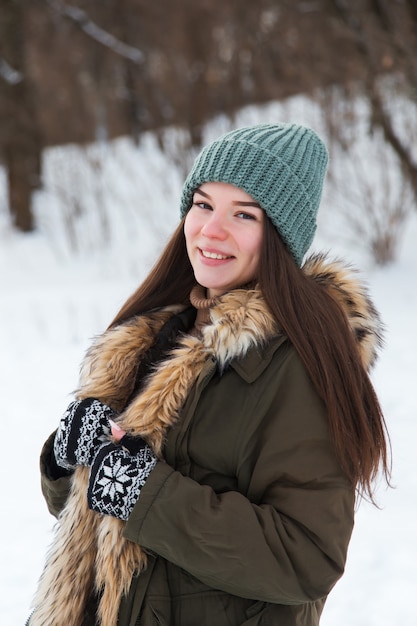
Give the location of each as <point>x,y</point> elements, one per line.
<point>236,202</point>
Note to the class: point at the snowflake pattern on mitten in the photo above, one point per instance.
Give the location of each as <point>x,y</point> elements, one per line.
<point>117,477</point>
<point>83,428</point>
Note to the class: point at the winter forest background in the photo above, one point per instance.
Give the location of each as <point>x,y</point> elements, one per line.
<point>103,104</point>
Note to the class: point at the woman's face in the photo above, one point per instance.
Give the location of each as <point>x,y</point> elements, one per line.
<point>223,231</point>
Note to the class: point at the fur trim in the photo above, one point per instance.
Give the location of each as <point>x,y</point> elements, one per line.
<point>89,550</point>
<point>344,284</point>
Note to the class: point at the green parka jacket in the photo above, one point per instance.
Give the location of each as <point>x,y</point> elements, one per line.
<point>247,519</point>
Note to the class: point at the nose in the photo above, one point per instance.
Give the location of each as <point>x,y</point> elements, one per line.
<point>215,227</point>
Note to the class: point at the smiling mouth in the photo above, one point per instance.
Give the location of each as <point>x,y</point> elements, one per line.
<point>214,255</point>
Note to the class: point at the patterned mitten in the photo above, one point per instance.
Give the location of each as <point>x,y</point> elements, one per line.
<point>83,428</point>
<point>117,475</point>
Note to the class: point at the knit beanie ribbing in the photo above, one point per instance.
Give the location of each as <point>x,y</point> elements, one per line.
<point>282,166</point>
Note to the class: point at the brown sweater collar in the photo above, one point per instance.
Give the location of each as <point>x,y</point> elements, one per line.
<point>199,300</point>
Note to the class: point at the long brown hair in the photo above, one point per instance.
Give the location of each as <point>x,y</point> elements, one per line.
<point>318,329</point>
<point>169,281</point>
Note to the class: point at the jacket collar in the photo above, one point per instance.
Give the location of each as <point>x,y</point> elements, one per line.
<point>257,359</point>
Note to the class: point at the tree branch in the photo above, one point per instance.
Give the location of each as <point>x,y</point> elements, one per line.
<point>97,33</point>
<point>382,118</point>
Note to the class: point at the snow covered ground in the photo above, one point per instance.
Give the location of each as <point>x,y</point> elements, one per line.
<point>53,299</point>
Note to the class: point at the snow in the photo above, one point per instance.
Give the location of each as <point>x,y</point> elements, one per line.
<point>57,293</point>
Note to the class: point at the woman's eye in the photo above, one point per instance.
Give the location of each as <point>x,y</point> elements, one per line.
<point>201,204</point>
<point>246,216</point>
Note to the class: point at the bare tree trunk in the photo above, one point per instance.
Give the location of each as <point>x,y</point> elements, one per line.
<point>22,175</point>
<point>19,136</point>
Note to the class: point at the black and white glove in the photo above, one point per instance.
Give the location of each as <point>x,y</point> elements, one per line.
<point>117,475</point>
<point>84,427</point>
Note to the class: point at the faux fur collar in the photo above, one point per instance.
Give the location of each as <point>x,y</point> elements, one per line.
<point>344,283</point>
<point>90,551</point>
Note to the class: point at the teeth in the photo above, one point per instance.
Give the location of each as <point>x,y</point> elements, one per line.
<point>213,255</point>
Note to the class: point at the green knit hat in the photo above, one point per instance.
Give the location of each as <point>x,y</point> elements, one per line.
<point>282,166</point>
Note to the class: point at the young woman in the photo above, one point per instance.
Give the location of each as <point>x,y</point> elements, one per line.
<point>207,471</point>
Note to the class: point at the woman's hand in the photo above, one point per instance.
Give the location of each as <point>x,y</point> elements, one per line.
<point>116,431</point>
<point>83,428</point>
<point>117,475</point>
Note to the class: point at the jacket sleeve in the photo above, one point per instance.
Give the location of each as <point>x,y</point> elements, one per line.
<point>55,481</point>
<point>284,538</point>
